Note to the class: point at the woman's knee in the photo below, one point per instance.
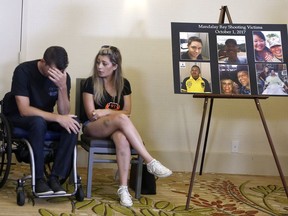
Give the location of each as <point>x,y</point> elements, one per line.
<point>122,119</point>
<point>120,140</point>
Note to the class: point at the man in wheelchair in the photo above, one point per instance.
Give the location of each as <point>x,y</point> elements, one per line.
<point>38,86</point>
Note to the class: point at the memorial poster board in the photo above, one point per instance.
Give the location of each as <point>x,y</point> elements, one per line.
<point>232,59</point>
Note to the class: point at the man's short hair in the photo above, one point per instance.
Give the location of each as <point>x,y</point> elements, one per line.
<point>56,55</point>
<point>194,38</point>
<point>196,66</point>
<point>242,68</point>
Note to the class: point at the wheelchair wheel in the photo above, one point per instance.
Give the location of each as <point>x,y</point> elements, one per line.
<point>79,194</point>
<point>5,149</point>
<point>20,196</point>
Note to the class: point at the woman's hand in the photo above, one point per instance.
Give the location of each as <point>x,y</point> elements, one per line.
<point>268,57</point>
<point>98,113</point>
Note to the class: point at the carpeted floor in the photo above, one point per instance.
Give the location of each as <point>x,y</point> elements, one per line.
<point>213,194</point>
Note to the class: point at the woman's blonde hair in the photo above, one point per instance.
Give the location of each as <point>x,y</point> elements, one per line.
<point>99,89</point>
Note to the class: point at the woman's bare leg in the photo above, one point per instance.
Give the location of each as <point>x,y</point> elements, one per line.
<point>107,125</point>
<point>123,156</point>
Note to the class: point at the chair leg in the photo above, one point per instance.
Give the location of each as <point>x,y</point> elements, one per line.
<point>139,177</point>
<point>89,173</point>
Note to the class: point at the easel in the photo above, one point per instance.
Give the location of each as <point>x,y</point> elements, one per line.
<point>224,10</point>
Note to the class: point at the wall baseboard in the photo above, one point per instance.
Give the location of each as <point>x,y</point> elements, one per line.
<point>215,162</point>
<point>230,163</point>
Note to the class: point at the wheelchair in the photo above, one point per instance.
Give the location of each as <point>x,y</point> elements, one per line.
<point>13,140</point>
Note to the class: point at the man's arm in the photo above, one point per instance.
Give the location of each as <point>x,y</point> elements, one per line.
<point>59,78</point>
<point>207,86</point>
<point>66,121</point>
<point>183,86</point>
<point>63,103</point>
<point>23,104</point>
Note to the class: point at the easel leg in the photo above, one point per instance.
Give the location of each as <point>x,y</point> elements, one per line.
<point>272,146</point>
<point>196,154</point>
<point>206,135</point>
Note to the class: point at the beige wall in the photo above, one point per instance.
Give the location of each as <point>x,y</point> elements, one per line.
<point>169,123</point>
<point>10,22</point>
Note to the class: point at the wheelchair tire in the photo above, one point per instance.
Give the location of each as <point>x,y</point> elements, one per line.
<point>20,196</point>
<point>79,194</point>
<point>5,149</point>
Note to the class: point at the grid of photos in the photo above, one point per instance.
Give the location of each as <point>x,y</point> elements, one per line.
<point>230,59</point>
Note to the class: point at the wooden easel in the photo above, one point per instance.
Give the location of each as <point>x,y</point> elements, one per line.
<point>224,10</point>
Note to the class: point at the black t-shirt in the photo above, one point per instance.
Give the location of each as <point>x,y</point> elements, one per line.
<point>109,102</point>
<point>29,82</point>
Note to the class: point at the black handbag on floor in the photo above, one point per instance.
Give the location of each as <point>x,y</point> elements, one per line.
<point>148,180</point>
